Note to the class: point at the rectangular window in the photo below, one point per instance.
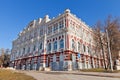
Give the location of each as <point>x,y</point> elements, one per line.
<point>84,48</point>
<point>34,48</point>
<point>49,29</point>
<point>19,53</point>
<point>28,50</point>
<point>61,43</point>
<point>41,32</point>
<point>61,24</point>
<point>49,47</point>
<point>78,46</point>
<point>55,27</point>
<point>40,46</point>
<point>89,50</point>
<point>23,50</point>
<point>73,44</point>
<point>35,34</point>
<point>55,45</point>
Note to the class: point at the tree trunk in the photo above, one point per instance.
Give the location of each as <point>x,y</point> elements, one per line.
<point>103,52</point>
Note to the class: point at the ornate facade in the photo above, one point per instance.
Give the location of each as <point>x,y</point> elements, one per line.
<point>61,43</point>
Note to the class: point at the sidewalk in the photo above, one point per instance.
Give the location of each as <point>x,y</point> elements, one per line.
<point>71,75</point>
<point>100,74</point>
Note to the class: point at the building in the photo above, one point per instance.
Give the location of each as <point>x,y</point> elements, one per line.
<point>61,43</point>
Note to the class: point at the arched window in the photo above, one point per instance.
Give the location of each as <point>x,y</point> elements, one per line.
<point>73,44</point>
<point>40,47</point>
<point>49,47</point>
<point>78,46</point>
<point>61,43</point>
<point>55,45</point>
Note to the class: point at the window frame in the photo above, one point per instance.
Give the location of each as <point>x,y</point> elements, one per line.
<point>79,46</point>
<point>34,48</point>
<point>84,48</point>
<point>55,45</point>
<point>61,44</point>
<point>55,27</point>
<point>73,44</point>
<point>49,47</point>
<point>40,46</point>
<point>61,24</point>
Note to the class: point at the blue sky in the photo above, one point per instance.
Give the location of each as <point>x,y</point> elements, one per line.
<point>16,14</point>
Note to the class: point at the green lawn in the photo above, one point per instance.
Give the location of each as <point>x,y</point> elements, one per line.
<point>99,70</point>
<point>12,75</point>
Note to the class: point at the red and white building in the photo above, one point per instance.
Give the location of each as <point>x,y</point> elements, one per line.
<point>61,43</point>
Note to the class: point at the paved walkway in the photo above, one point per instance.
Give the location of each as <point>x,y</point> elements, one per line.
<point>72,75</point>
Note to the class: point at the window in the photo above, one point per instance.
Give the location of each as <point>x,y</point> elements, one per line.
<point>28,49</point>
<point>35,34</point>
<point>80,30</point>
<point>61,24</point>
<point>50,29</point>
<point>55,45</point>
<point>40,46</point>
<point>41,32</point>
<point>19,53</point>
<point>88,49</point>
<point>49,47</point>
<point>61,43</point>
<point>55,27</point>
<point>84,48</point>
<point>34,48</point>
<point>78,46</point>
<point>29,36</point>
<point>73,44</point>
<point>23,50</point>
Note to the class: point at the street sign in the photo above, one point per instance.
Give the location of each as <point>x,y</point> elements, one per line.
<point>78,55</point>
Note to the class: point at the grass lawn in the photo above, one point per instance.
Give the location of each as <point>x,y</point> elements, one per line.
<point>93,70</point>
<point>99,70</point>
<point>12,75</point>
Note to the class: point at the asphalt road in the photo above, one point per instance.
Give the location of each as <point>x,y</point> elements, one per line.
<point>66,76</point>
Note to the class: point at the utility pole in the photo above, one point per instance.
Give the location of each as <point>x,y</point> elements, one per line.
<point>108,41</point>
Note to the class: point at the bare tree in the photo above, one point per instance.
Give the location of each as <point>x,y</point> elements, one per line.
<point>113,27</point>
<point>4,58</point>
<point>98,38</point>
